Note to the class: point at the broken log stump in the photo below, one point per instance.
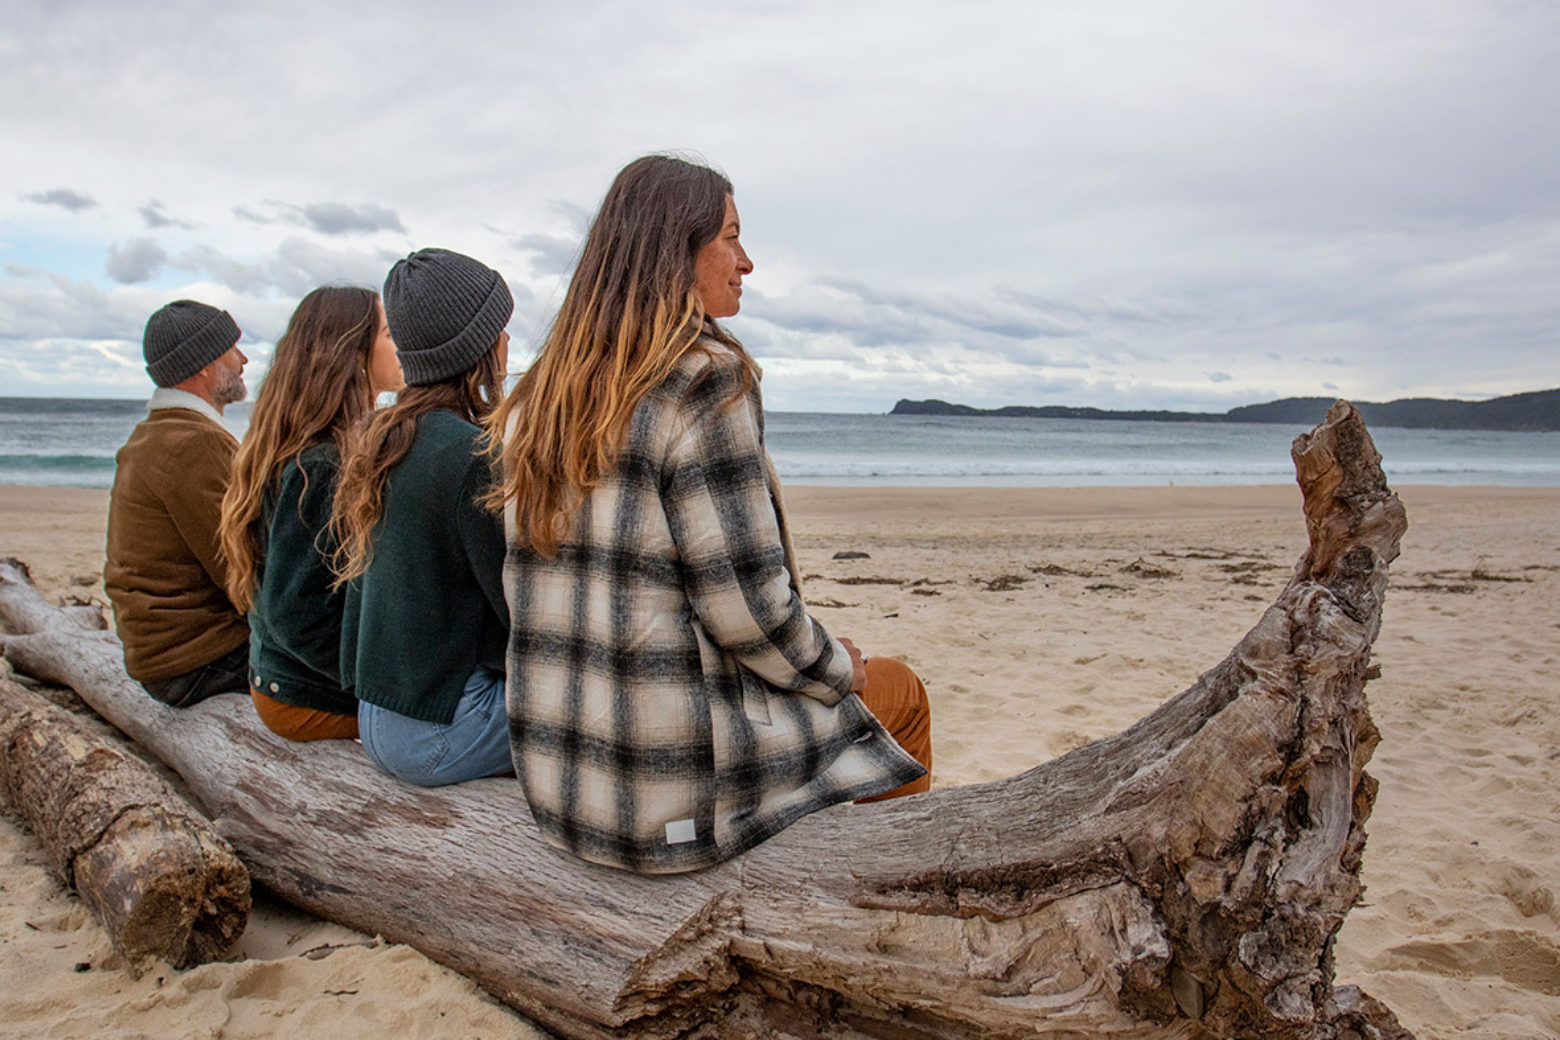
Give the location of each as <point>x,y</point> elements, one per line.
<point>151,869</point>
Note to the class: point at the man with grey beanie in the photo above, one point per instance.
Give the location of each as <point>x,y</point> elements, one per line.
<point>183,639</point>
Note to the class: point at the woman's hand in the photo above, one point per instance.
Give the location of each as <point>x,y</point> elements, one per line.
<point>858,666</point>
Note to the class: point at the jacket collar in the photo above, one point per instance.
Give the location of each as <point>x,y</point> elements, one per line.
<point>170,397</point>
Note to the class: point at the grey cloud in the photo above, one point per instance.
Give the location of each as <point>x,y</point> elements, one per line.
<point>1071,193</point>
<point>72,367</point>
<point>578,216</point>
<point>1219,377</point>
<point>339,218</point>
<point>65,198</point>
<point>328,218</point>
<point>549,254</point>
<point>300,265</point>
<point>1024,321</point>
<point>156,216</point>
<point>40,305</point>
<point>1127,312</point>
<point>297,266</point>
<point>42,309</point>
<point>808,311</point>
<point>138,260</point>
<point>117,362</point>
<point>830,318</point>
<point>235,274</point>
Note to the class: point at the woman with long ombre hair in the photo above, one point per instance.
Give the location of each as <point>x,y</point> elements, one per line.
<point>332,362</point>
<point>425,620</point>
<point>671,701</point>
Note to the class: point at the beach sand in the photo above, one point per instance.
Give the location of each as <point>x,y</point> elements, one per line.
<point>1041,619</point>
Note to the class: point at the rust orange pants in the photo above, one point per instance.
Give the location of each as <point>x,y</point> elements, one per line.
<point>302,724</point>
<point>896,695</point>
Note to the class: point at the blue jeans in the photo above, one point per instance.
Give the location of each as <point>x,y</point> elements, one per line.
<point>473,744</point>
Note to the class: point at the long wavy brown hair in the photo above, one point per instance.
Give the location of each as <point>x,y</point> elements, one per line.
<point>317,389</point>
<point>384,442</point>
<point>630,315</point>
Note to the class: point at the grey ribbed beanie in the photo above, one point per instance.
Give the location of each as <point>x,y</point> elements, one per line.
<point>445,310</point>
<point>183,338</point>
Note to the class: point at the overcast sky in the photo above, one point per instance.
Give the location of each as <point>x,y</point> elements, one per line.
<point>1165,204</point>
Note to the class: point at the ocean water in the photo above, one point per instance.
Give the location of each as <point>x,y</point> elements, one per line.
<point>71,443</point>
<point>974,451</point>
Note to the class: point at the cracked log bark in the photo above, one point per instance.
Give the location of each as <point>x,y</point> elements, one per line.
<point>150,868</point>
<point>1183,879</point>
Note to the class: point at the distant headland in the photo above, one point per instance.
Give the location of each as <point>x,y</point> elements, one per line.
<point>1530,412</point>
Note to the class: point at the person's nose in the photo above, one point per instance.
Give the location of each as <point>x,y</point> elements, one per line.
<point>744,264</point>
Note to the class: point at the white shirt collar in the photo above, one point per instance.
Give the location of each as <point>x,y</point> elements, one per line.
<point>171,397</point>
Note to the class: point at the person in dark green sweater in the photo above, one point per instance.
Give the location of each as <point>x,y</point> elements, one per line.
<point>425,620</point>
<point>331,364</point>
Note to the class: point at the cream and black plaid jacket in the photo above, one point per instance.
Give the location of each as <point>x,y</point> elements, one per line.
<point>671,702</point>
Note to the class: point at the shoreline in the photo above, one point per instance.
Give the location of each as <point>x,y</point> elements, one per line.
<point>52,528</point>
<point>71,500</point>
<point>1041,619</point>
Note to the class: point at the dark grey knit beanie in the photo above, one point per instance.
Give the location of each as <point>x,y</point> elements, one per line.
<point>445,310</point>
<point>183,338</point>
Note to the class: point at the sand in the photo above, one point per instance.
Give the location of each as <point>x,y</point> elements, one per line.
<point>1041,619</point>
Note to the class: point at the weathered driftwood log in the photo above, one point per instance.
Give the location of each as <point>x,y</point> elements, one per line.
<point>150,867</point>
<point>1184,878</point>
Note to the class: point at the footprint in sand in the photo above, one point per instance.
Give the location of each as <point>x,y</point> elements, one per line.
<point>1064,741</point>
<point>1526,890</point>
<point>1523,959</point>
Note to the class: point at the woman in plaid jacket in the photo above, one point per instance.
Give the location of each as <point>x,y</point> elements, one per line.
<point>671,701</point>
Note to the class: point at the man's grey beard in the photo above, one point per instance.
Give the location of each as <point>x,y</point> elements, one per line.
<point>231,391</point>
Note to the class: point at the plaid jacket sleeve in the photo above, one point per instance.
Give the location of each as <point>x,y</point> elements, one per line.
<point>723,518</point>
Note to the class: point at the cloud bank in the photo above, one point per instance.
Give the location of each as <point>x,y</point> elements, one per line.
<point>1179,204</point>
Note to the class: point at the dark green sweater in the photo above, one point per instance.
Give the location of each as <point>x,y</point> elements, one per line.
<point>295,620</point>
<point>430,608</point>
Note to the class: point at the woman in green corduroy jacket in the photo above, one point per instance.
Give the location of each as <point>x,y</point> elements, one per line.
<point>330,365</point>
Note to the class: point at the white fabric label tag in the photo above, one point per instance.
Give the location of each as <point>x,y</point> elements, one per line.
<point>679,831</point>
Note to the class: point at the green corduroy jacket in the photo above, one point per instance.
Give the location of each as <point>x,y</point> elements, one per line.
<point>295,619</point>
